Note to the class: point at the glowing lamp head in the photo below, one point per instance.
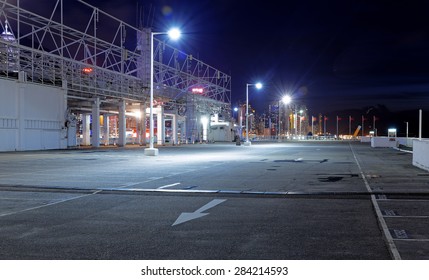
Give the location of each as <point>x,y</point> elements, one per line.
<point>174,33</point>
<point>258,85</point>
<point>286,99</point>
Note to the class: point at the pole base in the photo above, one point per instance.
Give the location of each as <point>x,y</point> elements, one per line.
<point>247,143</point>
<point>151,152</point>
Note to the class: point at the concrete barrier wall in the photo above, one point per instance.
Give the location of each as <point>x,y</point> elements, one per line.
<point>366,139</point>
<point>383,142</point>
<point>391,142</point>
<point>407,141</point>
<point>421,154</point>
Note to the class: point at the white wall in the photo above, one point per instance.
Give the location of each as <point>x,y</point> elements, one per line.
<point>32,117</point>
<point>405,141</point>
<point>380,142</point>
<point>421,154</point>
<point>383,142</point>
<point>8,116</point>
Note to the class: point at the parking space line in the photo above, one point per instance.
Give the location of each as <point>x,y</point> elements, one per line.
<point>389,239</point>
<point>22,199</point>
<point>404,200</point>
<point>151,179</point>
<point>413,217</point>
<point>412,240</point>
<point>47,205</point>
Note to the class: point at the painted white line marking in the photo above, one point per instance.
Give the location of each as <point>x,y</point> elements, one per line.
<point>393,250</point>
<point>138,183</point>
<point>185,217</point>
<point>23,199</point>
<point>415,240</point>
<point>150,179</point>
<point>404,200</point>
<point>414,217</point>
<point>170,185</point>
<point>129,185</point>
<point>46,205</point>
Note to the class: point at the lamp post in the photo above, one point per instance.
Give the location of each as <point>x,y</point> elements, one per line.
<point>258,86</point>
<point>406,132</point>
<point>234,113</point>
<point>286,99</point>
<point>173,34</point>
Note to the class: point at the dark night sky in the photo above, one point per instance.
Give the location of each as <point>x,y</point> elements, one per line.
<point>331,55</point>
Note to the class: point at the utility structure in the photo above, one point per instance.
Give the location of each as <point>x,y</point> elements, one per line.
<point>101,72</point>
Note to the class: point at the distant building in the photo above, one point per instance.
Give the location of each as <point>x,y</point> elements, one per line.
<point>8,52</point>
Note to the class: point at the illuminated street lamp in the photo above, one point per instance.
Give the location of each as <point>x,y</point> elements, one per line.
<point>300,122</point>
<point>286,99</point>
<point>258,86</point>
<point>173,34</point>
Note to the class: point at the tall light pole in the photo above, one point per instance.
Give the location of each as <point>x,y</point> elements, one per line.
<point>406,132</point>
<point>286,99</point>
<point>173,34</point>
<point>258,86</point>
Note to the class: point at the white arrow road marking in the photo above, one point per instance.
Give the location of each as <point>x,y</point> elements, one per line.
<point>185,217</point>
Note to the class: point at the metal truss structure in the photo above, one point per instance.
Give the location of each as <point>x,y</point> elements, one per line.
<point>104,57</point>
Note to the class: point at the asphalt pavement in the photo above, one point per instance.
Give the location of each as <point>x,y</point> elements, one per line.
<point>295,200</point>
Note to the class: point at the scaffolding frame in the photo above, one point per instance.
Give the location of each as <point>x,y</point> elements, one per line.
<point>53,50</point>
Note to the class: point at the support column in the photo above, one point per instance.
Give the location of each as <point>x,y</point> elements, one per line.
<point>86,134</point>
<point>183,131</point>
<point>64,141</point>
<point>142,126</point>
<point>160,135</point>
<point>106,129</point>
<point>96,122</point>
<point>204,129</point>
<point>174,124</point>
<point>122,124</point>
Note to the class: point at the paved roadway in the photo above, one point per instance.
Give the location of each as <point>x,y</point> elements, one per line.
<point>302,200</point>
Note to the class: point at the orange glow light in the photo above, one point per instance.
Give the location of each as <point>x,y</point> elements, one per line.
<point>87,70</point>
